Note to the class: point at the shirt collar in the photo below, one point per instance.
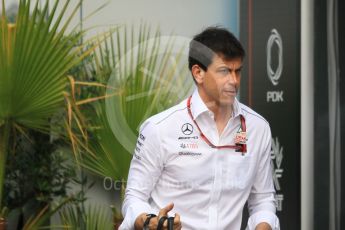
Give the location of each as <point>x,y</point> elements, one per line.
<point>198,106</point>
<point>237,108</point>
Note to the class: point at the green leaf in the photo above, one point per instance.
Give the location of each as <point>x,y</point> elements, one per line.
<point>144,81</point>
<point>35,57</point>
<point>96,217</point>
<point>37,221</point>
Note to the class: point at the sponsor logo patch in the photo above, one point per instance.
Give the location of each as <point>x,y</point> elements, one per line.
<point>187,138</point>
<point>187,129</point>
<point>189,154</point>
<point>189,145</point>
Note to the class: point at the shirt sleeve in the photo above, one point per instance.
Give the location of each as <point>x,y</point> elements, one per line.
<point>145,169</point>
<point>261,201</point>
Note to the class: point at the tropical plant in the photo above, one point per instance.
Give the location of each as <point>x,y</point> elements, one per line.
<point>96,217</point>
<point>148,74</point>
<point>39,220</point>
<point>35,55</point>
<point>36,170</point>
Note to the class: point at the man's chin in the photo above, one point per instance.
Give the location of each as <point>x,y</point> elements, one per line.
<point>227,101</point>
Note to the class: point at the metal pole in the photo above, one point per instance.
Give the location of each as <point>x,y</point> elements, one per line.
<point>307,114</point>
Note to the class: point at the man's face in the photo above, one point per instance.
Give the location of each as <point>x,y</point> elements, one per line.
<point>220,83</point>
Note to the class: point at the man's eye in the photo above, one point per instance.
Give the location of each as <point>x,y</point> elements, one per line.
<point>224,71</point>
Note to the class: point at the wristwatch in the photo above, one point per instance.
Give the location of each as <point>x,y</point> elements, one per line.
<point>147,221</point>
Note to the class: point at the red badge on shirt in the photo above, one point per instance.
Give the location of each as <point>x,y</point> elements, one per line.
<point>241,137</point>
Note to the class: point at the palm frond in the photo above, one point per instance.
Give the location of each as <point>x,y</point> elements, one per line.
<point>96,217</point>
<point>148,75</point>
<point>37,221</point>
<point>35,56</point>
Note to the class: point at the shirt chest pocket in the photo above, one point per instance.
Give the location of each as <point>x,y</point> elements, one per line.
<point>237,172</point>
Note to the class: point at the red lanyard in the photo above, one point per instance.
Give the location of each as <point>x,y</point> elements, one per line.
<point>238,147</point>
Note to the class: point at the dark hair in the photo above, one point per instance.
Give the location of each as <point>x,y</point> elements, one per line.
<point>211,41</point>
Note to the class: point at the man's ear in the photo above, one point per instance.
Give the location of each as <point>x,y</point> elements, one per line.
<point>198,74</point>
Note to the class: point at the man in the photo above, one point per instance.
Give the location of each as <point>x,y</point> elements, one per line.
<point>205,157</point>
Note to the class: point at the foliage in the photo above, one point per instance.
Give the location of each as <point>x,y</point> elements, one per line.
<point>96,217</point>
<point>35,55</point>
<point>38,220</point>
<point>36,169</point>
<point>35,58</point>
<point>141,82</point>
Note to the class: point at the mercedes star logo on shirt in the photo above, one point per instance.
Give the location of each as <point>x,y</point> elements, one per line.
<point>187,129</point>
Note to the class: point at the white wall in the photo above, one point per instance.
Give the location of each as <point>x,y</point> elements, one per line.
<point>184,17</point>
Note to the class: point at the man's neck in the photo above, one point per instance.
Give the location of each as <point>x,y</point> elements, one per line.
<point>222,113</point>
<point>221,117</point>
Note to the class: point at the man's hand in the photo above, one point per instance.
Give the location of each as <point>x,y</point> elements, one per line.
<point>139,222</point>
<point>263,226</point>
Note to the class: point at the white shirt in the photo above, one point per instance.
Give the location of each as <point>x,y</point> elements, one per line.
<point>208,186</point>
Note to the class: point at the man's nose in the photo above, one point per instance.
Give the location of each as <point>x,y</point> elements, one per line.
<point>232,77</point>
